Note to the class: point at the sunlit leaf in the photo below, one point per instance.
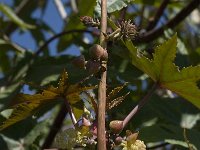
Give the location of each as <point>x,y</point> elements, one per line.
<point>62,84</point>
<point>78,108</point>
<point>13,17</point>
<point>163,71</point>
<point>92,102</point>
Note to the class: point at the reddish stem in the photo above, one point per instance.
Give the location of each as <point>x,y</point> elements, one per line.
<point>101,138</point>
<point>139,105</point>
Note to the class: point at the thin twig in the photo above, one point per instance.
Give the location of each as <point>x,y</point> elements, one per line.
<point>141,104</point>
<point>158,15</point>
<point>101,138</point>
<point>18,47</point>
<point>153,34</point>
<point>186,139</point>
<point>61,9</point>
<point>70,112</point>
<point>55,127</point>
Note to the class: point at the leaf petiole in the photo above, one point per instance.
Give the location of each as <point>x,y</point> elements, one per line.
<point>140,104</point>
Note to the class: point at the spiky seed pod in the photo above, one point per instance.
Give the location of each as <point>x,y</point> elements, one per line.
<point>116,126</point>
<point>93,66</point>
<point>96,52</point>
<point>128,30</point>
<point>104,57</point>
<point>79,62</point>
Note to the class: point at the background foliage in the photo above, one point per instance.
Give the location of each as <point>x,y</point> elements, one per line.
<point>161,121</point>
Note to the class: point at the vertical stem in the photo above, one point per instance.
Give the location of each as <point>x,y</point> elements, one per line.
<point>101,138</point>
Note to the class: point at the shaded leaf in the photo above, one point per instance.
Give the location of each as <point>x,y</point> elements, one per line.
<point>181,143</point>
<point>162,132</point>
<point>162,70</point>
<point>113,5</point>
<point>12,16</point>
<point>74,22</point>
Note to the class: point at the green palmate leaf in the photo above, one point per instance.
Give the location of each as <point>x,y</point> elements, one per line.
<point>162,70</point>
<point>25,104</point>
<point>12,16</point>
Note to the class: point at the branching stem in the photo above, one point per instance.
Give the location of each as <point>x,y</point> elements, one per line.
<point>139,105</point>
<point>154,33</point>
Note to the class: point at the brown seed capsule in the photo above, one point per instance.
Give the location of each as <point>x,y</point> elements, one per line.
<point>79,62</point>
<point>96,52</point>
<point>116,126</point>
<point>118,140</point>
<point>104,57</point>
<point>93,66</point>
